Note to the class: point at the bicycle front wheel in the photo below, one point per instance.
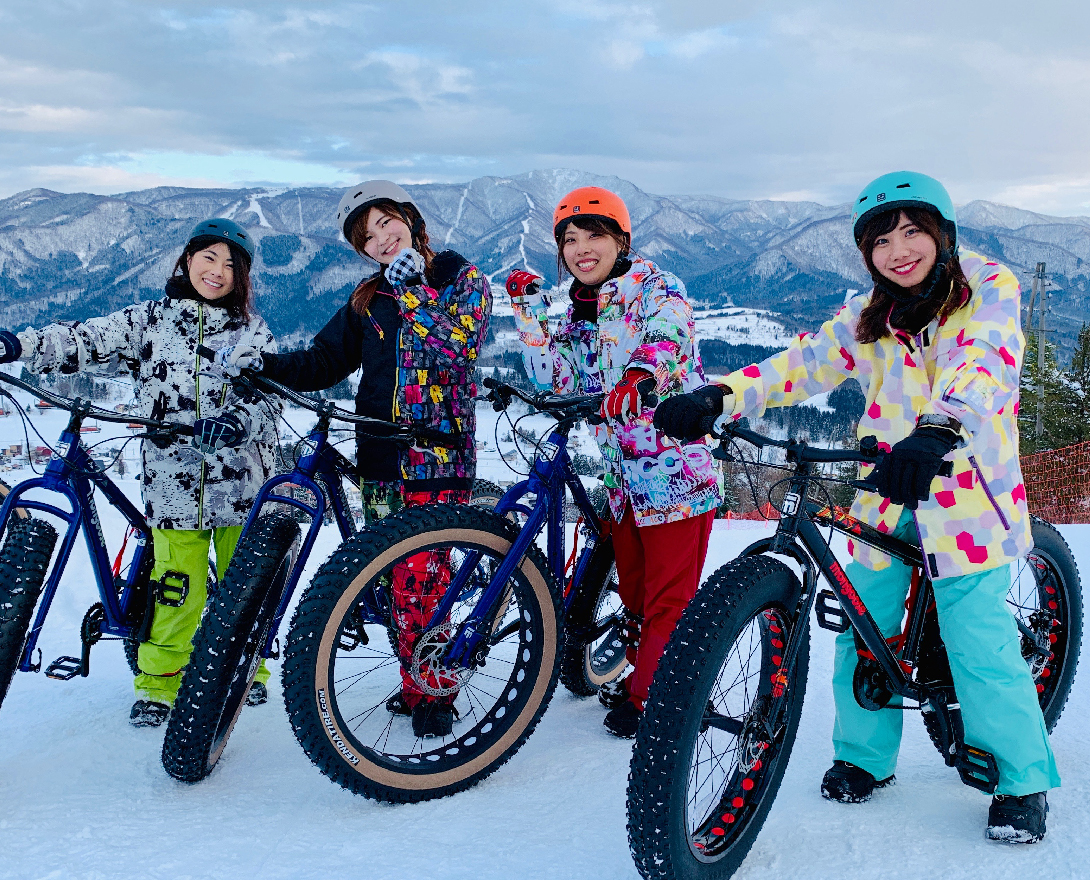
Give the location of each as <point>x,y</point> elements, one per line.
<point>719,724</point>
<point>226,648</point>
<point>340,668</point>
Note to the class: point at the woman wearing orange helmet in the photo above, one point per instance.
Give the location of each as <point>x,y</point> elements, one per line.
<point>629,332</point>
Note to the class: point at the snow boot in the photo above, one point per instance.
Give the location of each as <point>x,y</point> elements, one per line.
<point>257,695</point>
<point>396,705</point>
<point>1017,819</point>
<point>849,784</point>
<point>147,713</point>
<point>432,719</point>
<point>613,693</point>
<point>624,720</point>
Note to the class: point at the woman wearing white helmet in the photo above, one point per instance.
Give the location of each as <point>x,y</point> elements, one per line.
<point>937,348</point>
<point>415,328</point>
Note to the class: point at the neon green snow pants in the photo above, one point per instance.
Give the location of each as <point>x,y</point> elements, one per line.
<point>166,652</point>
<point>998,699</point>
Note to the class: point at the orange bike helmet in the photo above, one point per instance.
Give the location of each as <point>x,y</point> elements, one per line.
<point>592,201</point>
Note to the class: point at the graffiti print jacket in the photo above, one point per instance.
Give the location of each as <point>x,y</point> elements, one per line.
<point>644,321</point>
<point>966,367</point>
<point>156,342</point>
<point>418,347</point>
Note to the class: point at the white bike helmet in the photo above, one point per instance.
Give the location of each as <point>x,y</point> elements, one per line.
<point>360,197</point>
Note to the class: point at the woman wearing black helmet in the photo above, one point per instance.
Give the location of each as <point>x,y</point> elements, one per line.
<point>414,327</point>
<point>192,498</point>
<point>937,347</point>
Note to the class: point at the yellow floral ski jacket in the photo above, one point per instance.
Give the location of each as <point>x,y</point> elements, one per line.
<point>965,366</point>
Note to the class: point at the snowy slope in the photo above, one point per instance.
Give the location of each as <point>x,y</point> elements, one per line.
<point>86,796</point>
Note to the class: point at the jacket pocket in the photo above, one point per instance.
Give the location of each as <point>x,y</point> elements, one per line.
<point>988,492</point>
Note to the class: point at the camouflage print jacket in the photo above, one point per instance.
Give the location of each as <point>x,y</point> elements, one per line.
<point>156,342</point>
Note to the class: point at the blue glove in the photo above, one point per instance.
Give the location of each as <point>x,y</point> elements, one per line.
<point>407,266</point>
<point>10,348</point>
<point>236,358</point>
<point>212,434</point>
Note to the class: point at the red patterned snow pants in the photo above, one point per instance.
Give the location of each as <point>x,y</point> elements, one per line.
<point>419,582</point>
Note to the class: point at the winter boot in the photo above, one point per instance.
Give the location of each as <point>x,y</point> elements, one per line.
<point>613,693</point>
<point>1017,819</point>
<point>432,719</point>
<point>147,713</point>
<point>624,720</point>
<point>257,695</point>
<point>396,705</point>
<point>849,784</point>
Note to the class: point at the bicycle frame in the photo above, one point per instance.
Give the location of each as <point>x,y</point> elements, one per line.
<point>548,478</point>
<point>71,473</point>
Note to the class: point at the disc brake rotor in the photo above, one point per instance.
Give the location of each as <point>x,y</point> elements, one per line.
<point>428,671</point>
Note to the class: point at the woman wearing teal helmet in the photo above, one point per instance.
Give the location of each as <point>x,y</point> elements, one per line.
<point>937,348</point>
<point>195,496</point>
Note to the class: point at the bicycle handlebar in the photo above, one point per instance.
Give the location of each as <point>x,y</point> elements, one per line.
<point>585,406</point>
<point>77,403</point>
<point>250,380</point>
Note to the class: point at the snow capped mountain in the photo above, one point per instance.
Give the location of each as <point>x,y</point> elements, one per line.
<point>75,255</point>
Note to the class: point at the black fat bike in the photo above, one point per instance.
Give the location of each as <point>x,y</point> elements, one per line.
<point>725,705</point>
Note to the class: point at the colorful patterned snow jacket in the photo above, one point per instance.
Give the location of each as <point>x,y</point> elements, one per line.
<point>418,346</point>
<point>644,321</point>
<point>156,341</point>
<point>966,367</point>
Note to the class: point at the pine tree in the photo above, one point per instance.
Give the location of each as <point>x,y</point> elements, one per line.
<point>1077,420</point>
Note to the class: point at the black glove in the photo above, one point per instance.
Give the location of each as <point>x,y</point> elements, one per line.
<point>10,348</point>
<point>211,435</point>
<point>904,475</point>
<point>688,417</point>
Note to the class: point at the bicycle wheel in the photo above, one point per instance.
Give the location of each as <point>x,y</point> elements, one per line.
<point>22,512</point>
<point>339,667</point>
<point>23,563</point>
<point>226,648</point>
<point>719,724</point>
<point>594,642</point>
<point>486,494</point>
<point>1046,598</point>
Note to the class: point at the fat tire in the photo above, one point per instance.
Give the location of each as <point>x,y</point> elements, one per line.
<point>225,649</point>
<point>23,562</point>
<point>341,584</point>
<point>486,494</point>
<point>577,673</point>
<point>731,600</point>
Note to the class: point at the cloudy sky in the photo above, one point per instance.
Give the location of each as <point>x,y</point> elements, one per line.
<point>740,99</point>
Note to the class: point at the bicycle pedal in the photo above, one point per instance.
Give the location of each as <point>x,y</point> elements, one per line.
<point>977,768</point>
<point>64,668</point>
<point>829,613</point>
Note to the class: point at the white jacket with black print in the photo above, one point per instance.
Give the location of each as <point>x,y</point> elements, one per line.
<point>156,341</point>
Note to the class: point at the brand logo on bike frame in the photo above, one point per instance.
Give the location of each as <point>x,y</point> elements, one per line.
<point>846,588</point>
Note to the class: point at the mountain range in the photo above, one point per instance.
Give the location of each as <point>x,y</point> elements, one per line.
<point>71,256</point>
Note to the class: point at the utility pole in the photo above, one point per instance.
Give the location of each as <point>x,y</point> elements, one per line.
<point>1040,283</point>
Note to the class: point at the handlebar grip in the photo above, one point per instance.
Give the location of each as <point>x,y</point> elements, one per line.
<point>207,353</point>
<point>946,469</point>
<point>490,382</point>
<point>439,438</point>
<point>648,398</point>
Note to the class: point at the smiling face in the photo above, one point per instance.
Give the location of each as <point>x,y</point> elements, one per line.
<point>588,254</point>
<point>384,236</point>
<point>905,255</point>
<point>212,271</point>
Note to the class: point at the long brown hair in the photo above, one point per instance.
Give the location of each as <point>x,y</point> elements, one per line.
<point>239,302</point>
<point>601,225</point>
<point>365,291</point>
<point>950,291</point>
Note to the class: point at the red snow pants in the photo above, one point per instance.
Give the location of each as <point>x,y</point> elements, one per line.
<point>658,571</point>
<point>419,582</point>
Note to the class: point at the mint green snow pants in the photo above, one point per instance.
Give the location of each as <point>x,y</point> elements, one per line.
<point>166,652</point>
<point>998,699</point>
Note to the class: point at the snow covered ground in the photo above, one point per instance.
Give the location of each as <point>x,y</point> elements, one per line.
<point>85,795</point>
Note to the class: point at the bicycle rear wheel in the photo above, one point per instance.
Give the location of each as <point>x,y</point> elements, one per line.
<point>719,724</point>
<point>226,648</point>
<point>594,638</point>
<point>340,668</point>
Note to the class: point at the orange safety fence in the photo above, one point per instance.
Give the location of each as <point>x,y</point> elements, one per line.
<point>1058,483</point>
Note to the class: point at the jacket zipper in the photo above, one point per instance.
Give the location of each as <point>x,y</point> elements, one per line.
<point>197,395</point>
<point>988,492</point>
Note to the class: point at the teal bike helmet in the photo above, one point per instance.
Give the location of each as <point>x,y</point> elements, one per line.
<point>224,230</point>
<point>904,189</point>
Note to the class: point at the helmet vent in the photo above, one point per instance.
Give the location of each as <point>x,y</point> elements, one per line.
<point>903,185</point>
<point>594,202</point>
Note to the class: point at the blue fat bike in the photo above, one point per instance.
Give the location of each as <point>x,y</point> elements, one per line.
<point>29,543</point>
<point>241,621</point>
<point>491,628</point>
<point>725,704</point>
